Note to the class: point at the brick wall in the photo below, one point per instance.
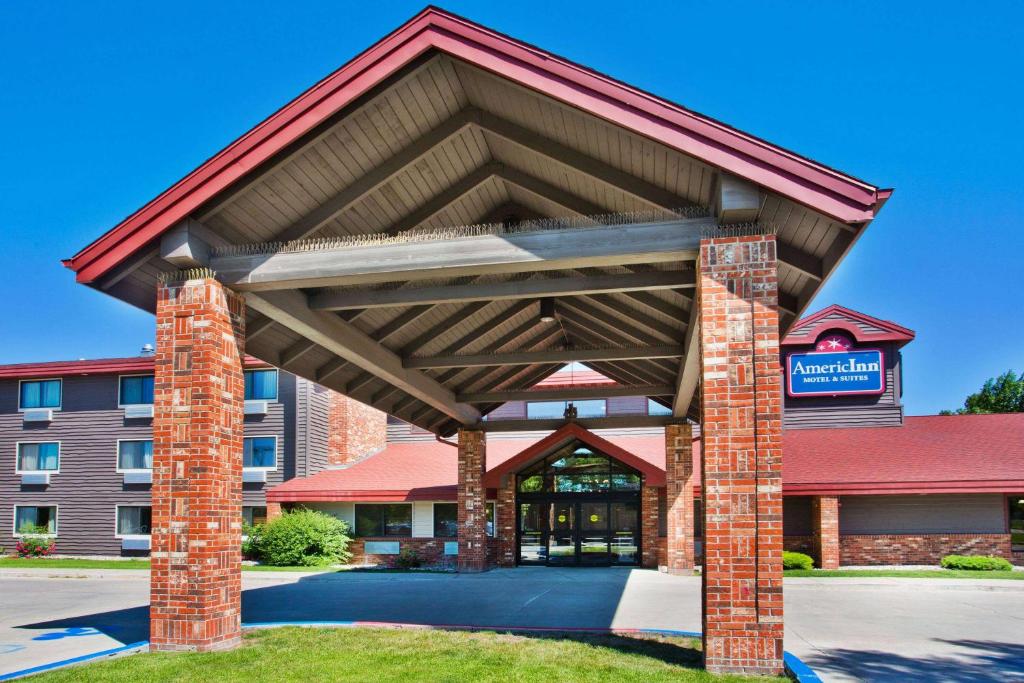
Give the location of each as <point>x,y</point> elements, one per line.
<point>472,501</point>
<point>355,430</point>
<point>679,498</point>
<point>825,525</point>
<point>649,527</point>
<point>504,545</point>
<point>429,550</point>
<point>799,544</point>
<point>919,548</point>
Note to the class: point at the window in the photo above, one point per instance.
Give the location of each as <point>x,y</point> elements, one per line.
<point>490,520</point>
<point>446,519</point>
<point>135,455</point>
<point>136,391</point>
<point>134,520</point>
<point>536,410</point>
<point>655,408</point>
<point>254,514</point>
<point>384,520</point>
<point>1016,517</point>
<point>261,385</point>
<point>27,518</point>
<point>43,393</point>
<point>38,457</point>
<point>576,468</point>
<point>260,452</point>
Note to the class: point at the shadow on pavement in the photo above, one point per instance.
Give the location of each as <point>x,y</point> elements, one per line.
<point>974,660</point>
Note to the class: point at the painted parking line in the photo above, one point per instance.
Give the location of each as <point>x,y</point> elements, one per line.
<point>25,649</point>
<point>81,659</point>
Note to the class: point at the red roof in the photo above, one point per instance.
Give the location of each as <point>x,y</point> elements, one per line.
<point>931,454</point>
<point>98,366</point>
<point>805,181</point>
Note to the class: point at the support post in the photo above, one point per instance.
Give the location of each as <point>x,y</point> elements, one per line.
<point>679,491</point>
<point>825,521</point>
<point>196,577</point>
<point>649,527</point>
<point>505,523</point>
<point>741,406</point>
<point>472,501</point>
<point>273,511</point>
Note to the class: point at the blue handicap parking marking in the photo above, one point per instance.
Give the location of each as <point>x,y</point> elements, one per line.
<point>72,632</point>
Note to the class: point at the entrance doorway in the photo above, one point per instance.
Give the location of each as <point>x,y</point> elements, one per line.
<point>578,508</point>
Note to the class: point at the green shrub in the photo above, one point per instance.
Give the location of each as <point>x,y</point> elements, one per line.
<point>408,559</point>
<point>304,538</point>
<point>251,537</point>
<point>976,563</point>
<point>792,560</point>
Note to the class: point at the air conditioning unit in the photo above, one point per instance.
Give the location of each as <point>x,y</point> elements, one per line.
<point>35,479</point>
<point>138,412</point>
<point>138,477</point>
<point>38,415</point>
<point>138,543</point>
<point>256,407</point>
<point>254,476</point>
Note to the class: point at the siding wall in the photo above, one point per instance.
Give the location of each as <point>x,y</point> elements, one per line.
<point>88,487</point>
<point>931,514</point>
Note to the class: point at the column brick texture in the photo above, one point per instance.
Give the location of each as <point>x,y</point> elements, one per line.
<point>196,577</point>
<point>825,524</point>
<point>679,492</point>
<point>741,406</point>
<point>505,519</point>
<point>273,511</point>
<point>472,499</point>
<point>649,527</point>
<point>355,430</point>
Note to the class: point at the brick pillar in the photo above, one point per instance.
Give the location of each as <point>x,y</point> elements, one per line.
<point>505,521</point>
<point>825,521</point>
<point>741,406</point>
<point>649,527</point>
<point>273,511</point>
<point>354,430</point>
<point>196,578</point>
<point>679,503</point>
<point>472,501</point>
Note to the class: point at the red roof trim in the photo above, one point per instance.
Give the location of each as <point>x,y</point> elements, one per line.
<point>807,330</point>
<point>440,493</point>
<point>899,487</point>
<point>802,180</point>
<point>100,366</point>
<point>653,475</point>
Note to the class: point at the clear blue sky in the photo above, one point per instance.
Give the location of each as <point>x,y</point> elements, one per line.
<point>105,104</point>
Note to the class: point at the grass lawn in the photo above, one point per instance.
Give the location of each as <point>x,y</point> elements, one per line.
<point>908,573</point>
<point>58,563</point>
<point>306,654</point>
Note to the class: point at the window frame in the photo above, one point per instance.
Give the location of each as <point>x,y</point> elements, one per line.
<point>382,521</point>
<point>277,383</point>
<point>433,521</point>
<point>117,515</point>
<point>658,412</point>
<point>17,458</point>
<point>492,505</point>
<point>253,507</point>
<point>117,458</point>
<point>121,403</point>
<point>60,404</point>
<point>565,403</point>
<point>1010,504</point>
<point>277,457</point>
<point>14,518</point>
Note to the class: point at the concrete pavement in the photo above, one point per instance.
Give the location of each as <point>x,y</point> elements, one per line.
<point>847,629</point>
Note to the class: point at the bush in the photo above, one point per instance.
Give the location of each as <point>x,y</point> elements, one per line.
<point>304,538</point>
<point>251,537</point>
<point>408,559</point>
<point>792,560</point>
<point>35,542</point>
<point>976,563</point>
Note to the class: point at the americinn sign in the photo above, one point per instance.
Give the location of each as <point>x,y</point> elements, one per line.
<point>835,368</point>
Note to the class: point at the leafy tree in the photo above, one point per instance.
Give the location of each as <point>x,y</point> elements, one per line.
<point>1002,394</point>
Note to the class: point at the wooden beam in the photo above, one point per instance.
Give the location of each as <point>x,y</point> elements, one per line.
<point>616,422</point>
<point>449,196</point>
<point>334,300</point>
<point>624,310</point>
<point>542,357</point>
<point>565,393</point>
<point>735,200</point>
<point>689,367</point>
<point>296,351</point>
<point>648,193</point>
<point>373,179</point>
<point>615,322</point>
<point>800,260</point>
<point>350,343</point>
<point>257,327</point>
<point>187,245</point>
<point>601,246</point>
<point>330,368</point>
<point>566,200</point>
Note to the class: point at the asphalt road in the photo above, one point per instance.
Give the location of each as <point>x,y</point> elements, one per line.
<point>846,629</point>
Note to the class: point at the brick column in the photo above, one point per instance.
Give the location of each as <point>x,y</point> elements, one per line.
<point>196,578</point>
<point>505,521</point>
<point>825,521</point>
<point>472,501</point>
<point>741,406</point>
<point>355,430</point>
<point>679,503</point>
<point>649,527</point>
<point>273,511</point>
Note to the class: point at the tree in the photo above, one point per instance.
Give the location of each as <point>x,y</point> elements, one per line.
<point>1002,394</point>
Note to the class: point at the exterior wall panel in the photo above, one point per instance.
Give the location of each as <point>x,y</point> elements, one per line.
<point>931,514</point>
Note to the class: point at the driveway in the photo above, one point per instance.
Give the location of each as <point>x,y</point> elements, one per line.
<point>846,629</point>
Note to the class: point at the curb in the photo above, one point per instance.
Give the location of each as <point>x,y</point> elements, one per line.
<point>82,659</point>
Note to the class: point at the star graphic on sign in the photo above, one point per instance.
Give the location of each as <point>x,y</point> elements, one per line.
<point>834,342</point>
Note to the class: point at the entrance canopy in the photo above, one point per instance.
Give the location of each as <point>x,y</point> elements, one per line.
<point>454,215</point>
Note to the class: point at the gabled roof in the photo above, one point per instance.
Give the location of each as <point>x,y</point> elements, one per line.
<point>864,328</point>
<point>790,175</point>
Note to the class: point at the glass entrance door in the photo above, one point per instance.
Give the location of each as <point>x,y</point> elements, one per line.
<point>562,539</point>
<point>588,533</point>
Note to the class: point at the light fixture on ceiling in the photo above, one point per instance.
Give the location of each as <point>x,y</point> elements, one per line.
<point>547,310</point>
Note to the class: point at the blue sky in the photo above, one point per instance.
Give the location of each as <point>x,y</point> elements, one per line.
<point>105,104</point>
